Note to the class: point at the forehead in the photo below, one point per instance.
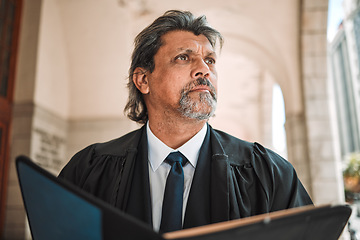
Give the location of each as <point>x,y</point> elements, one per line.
<point>183,40</point>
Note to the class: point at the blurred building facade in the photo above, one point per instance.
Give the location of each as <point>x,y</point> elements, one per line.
<point>344,62</point>
<point>71,74</point>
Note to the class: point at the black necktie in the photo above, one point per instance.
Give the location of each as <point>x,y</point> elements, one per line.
<point>171,219</point>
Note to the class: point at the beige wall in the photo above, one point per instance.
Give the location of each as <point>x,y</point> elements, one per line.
<point>98,47</point>
<point>52,79</point>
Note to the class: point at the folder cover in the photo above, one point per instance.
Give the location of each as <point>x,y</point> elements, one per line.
<point>58,210</point>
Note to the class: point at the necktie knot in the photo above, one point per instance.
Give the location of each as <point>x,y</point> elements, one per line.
<point>175,157</point>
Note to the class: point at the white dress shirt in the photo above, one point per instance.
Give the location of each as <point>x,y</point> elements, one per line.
<point>158,169</point>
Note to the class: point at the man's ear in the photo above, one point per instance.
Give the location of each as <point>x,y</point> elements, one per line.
<point>140,80</point>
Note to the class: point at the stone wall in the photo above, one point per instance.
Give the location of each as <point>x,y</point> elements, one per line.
<point>324,160</point>
<point>41,135</point>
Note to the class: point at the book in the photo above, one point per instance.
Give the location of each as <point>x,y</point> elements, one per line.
<point>59,210</point>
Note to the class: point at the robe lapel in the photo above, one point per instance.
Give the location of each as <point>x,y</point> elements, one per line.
<point>124,179</point>
<point>198,206</point>
<point>220,201</point>
<point>220,180</point>
<point>139,202</point>
<point>209,195</point>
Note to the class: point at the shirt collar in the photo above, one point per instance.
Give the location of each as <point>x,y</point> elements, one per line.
<point>158,151</point>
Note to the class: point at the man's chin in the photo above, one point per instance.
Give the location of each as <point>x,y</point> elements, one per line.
<point>198,117</point>
<point>199,114</point>
<point>199,106</point>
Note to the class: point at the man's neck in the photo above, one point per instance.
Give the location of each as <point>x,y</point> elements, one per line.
<point>175,133</point>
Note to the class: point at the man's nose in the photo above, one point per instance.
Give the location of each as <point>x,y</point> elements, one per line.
<point>200,69</point>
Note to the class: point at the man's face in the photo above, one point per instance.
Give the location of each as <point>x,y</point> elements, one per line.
<point>184,79</point>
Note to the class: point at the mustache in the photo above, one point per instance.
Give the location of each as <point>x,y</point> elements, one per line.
<point>200,82</point>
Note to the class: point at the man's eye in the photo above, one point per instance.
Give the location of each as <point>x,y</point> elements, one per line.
<point>182,58</point>
<point>210,61</point>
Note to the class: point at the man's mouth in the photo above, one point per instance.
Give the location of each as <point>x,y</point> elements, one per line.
<point>201,88</point>
<point>201,85</point>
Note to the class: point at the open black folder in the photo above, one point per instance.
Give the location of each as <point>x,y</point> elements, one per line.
<point>59,210</point>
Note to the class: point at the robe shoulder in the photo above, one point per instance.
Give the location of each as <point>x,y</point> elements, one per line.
<point>100,159</point>
<point>259,176</point>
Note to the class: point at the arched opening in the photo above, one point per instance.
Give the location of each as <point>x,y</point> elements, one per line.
<point>278,121</point>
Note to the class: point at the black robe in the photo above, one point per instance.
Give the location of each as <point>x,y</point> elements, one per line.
<point>233,178</point>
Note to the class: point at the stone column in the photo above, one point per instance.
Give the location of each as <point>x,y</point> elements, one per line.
<point>324,160</point>
<point>297,148</point>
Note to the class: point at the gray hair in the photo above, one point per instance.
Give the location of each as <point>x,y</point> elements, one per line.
<point>148,42</point>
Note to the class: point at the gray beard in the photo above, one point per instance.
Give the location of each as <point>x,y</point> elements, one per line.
<point>201,109</point>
